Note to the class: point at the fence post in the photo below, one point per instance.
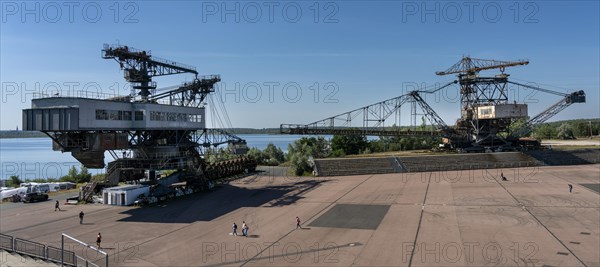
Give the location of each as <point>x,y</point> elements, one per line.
<point>62,250</point>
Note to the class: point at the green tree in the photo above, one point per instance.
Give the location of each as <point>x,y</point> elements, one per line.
<point>581,128</point>
<point>565,131</point>
<point>73,172</point>
<point>378,145</point>
<point>98,177</point>
<point>219,154</point>
<point>544,131</point>
<point>423,125</point>
<point>350,144</point>
<point>84,175</point>
<point>273,155</point>
<point>516,125</point>
<point>300,161</point>
<point>338,153</point>
<point>72,175</point>
<point>319,146</point>
<point>256,155</point>
<point>14,181</point>
<point>300,152</point>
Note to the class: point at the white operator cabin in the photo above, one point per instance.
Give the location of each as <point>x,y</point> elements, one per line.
<point>502,111</point>
<point>85,114</point>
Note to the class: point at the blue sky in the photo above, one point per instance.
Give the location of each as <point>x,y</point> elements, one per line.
<point>349,54</point>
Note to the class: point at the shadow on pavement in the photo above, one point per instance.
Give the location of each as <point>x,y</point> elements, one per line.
<point>566,157</point>
<point>223,199</point>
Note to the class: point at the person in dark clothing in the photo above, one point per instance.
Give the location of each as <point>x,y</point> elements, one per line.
<point>81,217</point>
<point>57,206</point>
<point>99,240</point>
<point>298,223</point>
<point>570,188</point>
<point>503,177</point>
<point>234,229</point>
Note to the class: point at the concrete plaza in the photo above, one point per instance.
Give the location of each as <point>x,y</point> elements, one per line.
<point>453,218</point>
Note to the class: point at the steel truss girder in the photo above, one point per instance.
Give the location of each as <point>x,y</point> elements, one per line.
<point>302,129</point>
<point>474,65</point>
<point>71,140</point>
<point>215,137</point>
<point>142,61</point>
<point>483,90</point>
<point>148,138</point>
<point>371,116</point>
<point>430,114</point>
<point>372,119</point>
<point>190,94</point>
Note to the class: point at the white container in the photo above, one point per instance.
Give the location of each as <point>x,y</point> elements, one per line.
<point>124,195</point>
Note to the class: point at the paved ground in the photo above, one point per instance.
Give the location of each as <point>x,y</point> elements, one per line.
<point>60,196</point>
<point>455,218</point>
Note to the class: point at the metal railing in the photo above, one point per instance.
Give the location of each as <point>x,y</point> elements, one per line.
<point>30,248</point>
<point>38,250</point>
<point>53,254</point>
<point>7,242</point>
<point>76,94</point>
<point>62,242</point>
<point>84,262</point>
<point>98,96</point>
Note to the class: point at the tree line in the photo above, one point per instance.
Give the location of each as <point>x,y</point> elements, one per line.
<point>570,129</point>
<point>74,175</point>
<point>301,152</point>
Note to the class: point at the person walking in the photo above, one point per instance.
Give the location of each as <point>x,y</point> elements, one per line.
<point>81,217</point>
<point>245,229</point>
<point>234,229</point>
<point>570,188</point>
<point>57,206</point>
<point>298,223</point>
<point>99,240</point>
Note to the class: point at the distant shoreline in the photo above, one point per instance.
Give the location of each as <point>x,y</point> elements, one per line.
<point>276,131</point>
<point>21,134</point>
<point>6,134</point>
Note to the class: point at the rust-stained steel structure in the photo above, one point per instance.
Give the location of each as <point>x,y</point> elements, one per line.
<point>145,131</point>
<point>486,113</point>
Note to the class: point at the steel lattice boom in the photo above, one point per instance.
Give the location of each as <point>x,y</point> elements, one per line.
<point>468,65</point>
<point>190,94</point>
<point>140,66</point>
<point>370,120</point>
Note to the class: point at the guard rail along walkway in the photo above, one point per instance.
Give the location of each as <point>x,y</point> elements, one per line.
<point>39,251</point>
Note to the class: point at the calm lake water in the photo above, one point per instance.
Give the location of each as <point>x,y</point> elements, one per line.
<point>32,158</point>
